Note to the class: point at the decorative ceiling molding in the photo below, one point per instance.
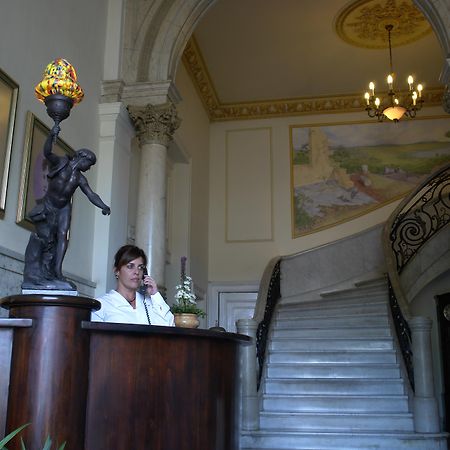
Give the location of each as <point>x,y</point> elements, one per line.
<point>218,111</point>
<point>363,23</point>
<point>196,67</point>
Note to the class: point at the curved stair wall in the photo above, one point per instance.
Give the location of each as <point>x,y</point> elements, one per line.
<point>333,266</point>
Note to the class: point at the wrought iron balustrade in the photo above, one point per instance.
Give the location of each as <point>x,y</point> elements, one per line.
<point>262,332</point>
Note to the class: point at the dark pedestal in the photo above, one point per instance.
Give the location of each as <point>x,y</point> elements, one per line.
<point>49,369</point>
<point>102,386</point>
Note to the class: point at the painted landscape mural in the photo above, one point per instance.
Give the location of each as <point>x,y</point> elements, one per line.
<point>339,172</point>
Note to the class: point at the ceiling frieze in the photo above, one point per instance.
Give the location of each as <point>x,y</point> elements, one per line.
<point>218,111</point>
<point>196,67</point>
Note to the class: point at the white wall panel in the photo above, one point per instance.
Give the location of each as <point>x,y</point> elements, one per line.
<point>249,185</point>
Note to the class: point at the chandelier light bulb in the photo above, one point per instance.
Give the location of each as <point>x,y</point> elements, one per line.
<point>390,80</point>
<point>420,88</point>
<point>414,97</point>
<point>410,81</point>
<point>367,97</point>
<point>377,102</point>
<point>396,101</point>
<point>372,87</point>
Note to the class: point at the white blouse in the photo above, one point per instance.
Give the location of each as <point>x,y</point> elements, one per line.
<point>115,308</point>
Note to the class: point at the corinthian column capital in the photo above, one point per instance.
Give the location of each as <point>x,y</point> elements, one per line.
<point>154,123</point>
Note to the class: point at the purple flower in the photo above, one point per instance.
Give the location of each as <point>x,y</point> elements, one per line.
<point>183,267</point>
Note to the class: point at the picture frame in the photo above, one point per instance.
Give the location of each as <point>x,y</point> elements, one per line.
<point>33,178</point>
<point>341,171</point>
<point>9,93</point>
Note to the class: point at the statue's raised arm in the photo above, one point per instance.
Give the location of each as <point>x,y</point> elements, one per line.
<point>48,146</point>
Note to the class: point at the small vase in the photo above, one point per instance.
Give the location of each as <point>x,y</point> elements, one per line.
<point>186,320</point>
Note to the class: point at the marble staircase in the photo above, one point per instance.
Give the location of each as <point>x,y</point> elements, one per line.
<point>333,378</point>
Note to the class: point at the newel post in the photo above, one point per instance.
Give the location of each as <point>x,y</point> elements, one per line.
<point>426,415</point>
<point>250,402</point>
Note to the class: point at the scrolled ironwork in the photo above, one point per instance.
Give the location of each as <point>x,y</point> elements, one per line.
<point>403,334</point>
<point>262,332</point>
<point>422,217</point>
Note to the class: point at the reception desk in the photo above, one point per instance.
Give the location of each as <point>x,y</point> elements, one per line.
<point>101,386</point>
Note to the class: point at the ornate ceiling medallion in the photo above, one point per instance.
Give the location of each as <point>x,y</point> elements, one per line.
<point>363,23</point>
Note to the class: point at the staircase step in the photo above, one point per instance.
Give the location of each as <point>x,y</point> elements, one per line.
<point>355,293</point>
<point>335,332</point>
<point>336,403</point>
<point>379,281</point>
<point>326,386</point>
<point>332,379</point>
<point>315,344</point>
<point>330,440</point>
<point>276,370</point>
<point>328,299</point>
<point>374,319</point>
<point>339,421</point>
<point>318,311</point>
<point>373,357</point>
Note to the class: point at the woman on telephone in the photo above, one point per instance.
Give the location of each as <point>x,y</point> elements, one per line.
<point>136,298</point>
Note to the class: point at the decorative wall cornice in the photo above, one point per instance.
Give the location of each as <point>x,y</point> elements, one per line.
<point>154,123</point>
<point>156,93</point>
<point>218,111</point>
<point>196,67</point>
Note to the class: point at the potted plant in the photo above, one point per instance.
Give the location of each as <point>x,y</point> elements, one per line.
<point>185,307</point>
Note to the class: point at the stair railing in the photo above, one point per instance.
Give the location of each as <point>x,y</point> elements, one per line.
<point>416,220</point>
<point>268,296</point>
<point>253,355</point>
<point>421,215</point>
<point>403,334</point>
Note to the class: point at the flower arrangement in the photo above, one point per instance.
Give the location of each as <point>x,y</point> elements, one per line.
<point>185,299</point>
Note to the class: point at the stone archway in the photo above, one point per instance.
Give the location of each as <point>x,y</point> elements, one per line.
<point>154,44</point>
<point>155,36</point>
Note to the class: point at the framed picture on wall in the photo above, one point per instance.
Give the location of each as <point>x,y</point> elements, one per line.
<point>33,178</point>
<point>9,91</point>
<point>342,171</point>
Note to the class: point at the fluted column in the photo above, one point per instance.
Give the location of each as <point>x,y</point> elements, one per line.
<point>155,126</point>
<point>250,403</point>
<point>426,415</point>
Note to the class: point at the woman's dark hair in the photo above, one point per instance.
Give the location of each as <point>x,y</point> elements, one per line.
<point>128,253</point>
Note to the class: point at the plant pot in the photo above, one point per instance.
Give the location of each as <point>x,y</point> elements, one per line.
<point>186,320</point>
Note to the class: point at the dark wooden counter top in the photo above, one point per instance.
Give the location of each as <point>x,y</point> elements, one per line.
<point>162,330</point>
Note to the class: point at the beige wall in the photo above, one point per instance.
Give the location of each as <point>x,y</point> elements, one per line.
<point>32,34</point>
<point>250,217</point>
<point>190,212</point>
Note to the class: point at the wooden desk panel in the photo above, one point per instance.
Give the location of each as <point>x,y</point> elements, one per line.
<point>103,386</point>
<point>162,391</point>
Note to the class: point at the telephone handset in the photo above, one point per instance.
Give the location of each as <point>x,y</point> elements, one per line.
<point>143,287</point>
<point>143,290</point>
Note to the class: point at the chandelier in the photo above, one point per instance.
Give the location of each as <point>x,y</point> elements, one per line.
<point>393,109</point>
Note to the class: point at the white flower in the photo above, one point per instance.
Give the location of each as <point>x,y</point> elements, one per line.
<point>184,295</point>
